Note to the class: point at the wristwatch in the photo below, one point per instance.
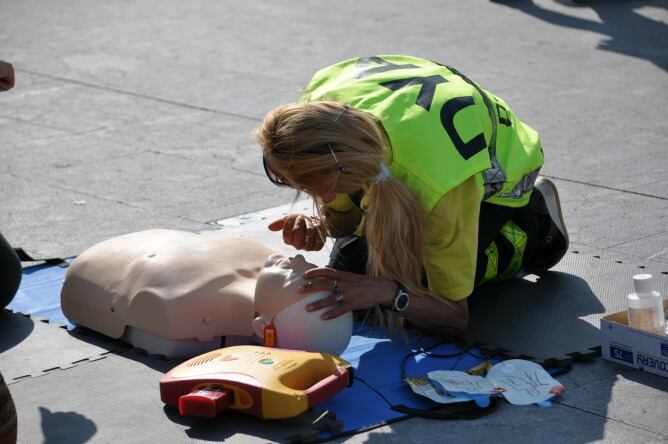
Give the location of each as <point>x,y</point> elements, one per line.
<point>401,299</point>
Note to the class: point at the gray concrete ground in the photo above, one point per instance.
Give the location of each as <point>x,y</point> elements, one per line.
<point>132,115</point>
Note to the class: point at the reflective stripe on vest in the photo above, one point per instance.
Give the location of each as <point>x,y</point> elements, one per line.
<point>517,239</point>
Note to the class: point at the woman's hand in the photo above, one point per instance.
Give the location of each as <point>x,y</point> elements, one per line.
<point>302,232</point>
<point>351,291</point>
<point>359,292</point>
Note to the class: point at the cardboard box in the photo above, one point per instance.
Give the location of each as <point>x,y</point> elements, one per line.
<point>635,348</point>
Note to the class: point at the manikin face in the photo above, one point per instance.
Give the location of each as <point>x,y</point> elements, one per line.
<point>278,283</point>
<point>279,302</point>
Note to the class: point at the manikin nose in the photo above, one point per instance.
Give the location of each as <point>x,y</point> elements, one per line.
<point>298,259</point>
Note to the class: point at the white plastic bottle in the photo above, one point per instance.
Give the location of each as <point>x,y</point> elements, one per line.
<point>645,306</point>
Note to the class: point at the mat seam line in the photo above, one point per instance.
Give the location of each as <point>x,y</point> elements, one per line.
<point>87,360</point>
<point>645,262</point>
<point>64,366</point>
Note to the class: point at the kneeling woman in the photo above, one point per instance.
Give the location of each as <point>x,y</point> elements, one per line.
<point>429,183</point>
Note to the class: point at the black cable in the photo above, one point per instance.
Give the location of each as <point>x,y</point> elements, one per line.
<point>421,349</point>
<point>479,357</point>
<point>466,347</point>
<point>425,351</point>
<point>373,389</point>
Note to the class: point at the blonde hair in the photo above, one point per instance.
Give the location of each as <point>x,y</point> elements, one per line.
<point>297,139</point>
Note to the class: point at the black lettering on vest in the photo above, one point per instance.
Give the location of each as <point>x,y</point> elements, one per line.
<point>384,66</point>
<point>427,87</point>
<point>504,118</point>
<point>450,108</point>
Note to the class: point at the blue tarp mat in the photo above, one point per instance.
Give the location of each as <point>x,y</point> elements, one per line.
<point>39,293</point>
<point>375,358</point>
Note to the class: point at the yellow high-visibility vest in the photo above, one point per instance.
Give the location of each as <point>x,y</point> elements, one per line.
<point>442,127</point>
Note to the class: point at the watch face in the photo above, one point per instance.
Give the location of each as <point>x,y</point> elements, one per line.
<point>401,301</point>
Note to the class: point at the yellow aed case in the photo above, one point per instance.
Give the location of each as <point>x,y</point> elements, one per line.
<point>270,383</point>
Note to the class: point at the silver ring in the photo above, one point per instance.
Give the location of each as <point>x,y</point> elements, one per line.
<point>339,297</point>
<point>335,285</point>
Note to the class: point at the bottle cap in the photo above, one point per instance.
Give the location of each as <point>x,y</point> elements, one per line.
<point>642,283</point>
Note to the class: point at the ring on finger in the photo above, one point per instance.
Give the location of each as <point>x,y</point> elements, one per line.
<point>335,285</point>
<point>309,239</point>
<point>339,297</point>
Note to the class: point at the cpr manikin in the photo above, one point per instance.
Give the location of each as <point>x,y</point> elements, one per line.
<point>176,293</point>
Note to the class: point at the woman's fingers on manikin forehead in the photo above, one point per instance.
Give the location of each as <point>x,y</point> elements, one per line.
<point>335,313</point>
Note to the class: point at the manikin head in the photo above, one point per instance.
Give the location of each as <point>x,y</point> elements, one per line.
<point>278,302</point>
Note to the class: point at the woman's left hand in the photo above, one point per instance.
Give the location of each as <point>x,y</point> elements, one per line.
<point>352,291</point>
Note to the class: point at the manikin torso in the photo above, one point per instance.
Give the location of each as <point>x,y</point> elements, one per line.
<point>179,293</point>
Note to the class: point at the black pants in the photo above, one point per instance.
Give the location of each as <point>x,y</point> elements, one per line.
<point>10,272</point>
<point>350,253</point>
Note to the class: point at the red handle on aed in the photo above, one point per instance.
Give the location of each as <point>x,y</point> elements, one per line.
<point>328,387</point>
<point>205,402</point>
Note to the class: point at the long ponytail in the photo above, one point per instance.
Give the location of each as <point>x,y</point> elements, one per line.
<point>395,234</point>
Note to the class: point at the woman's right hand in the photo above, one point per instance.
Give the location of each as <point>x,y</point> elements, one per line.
<point>302,232</point>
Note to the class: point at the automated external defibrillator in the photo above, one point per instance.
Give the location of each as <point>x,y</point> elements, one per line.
<point>266,382</point>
